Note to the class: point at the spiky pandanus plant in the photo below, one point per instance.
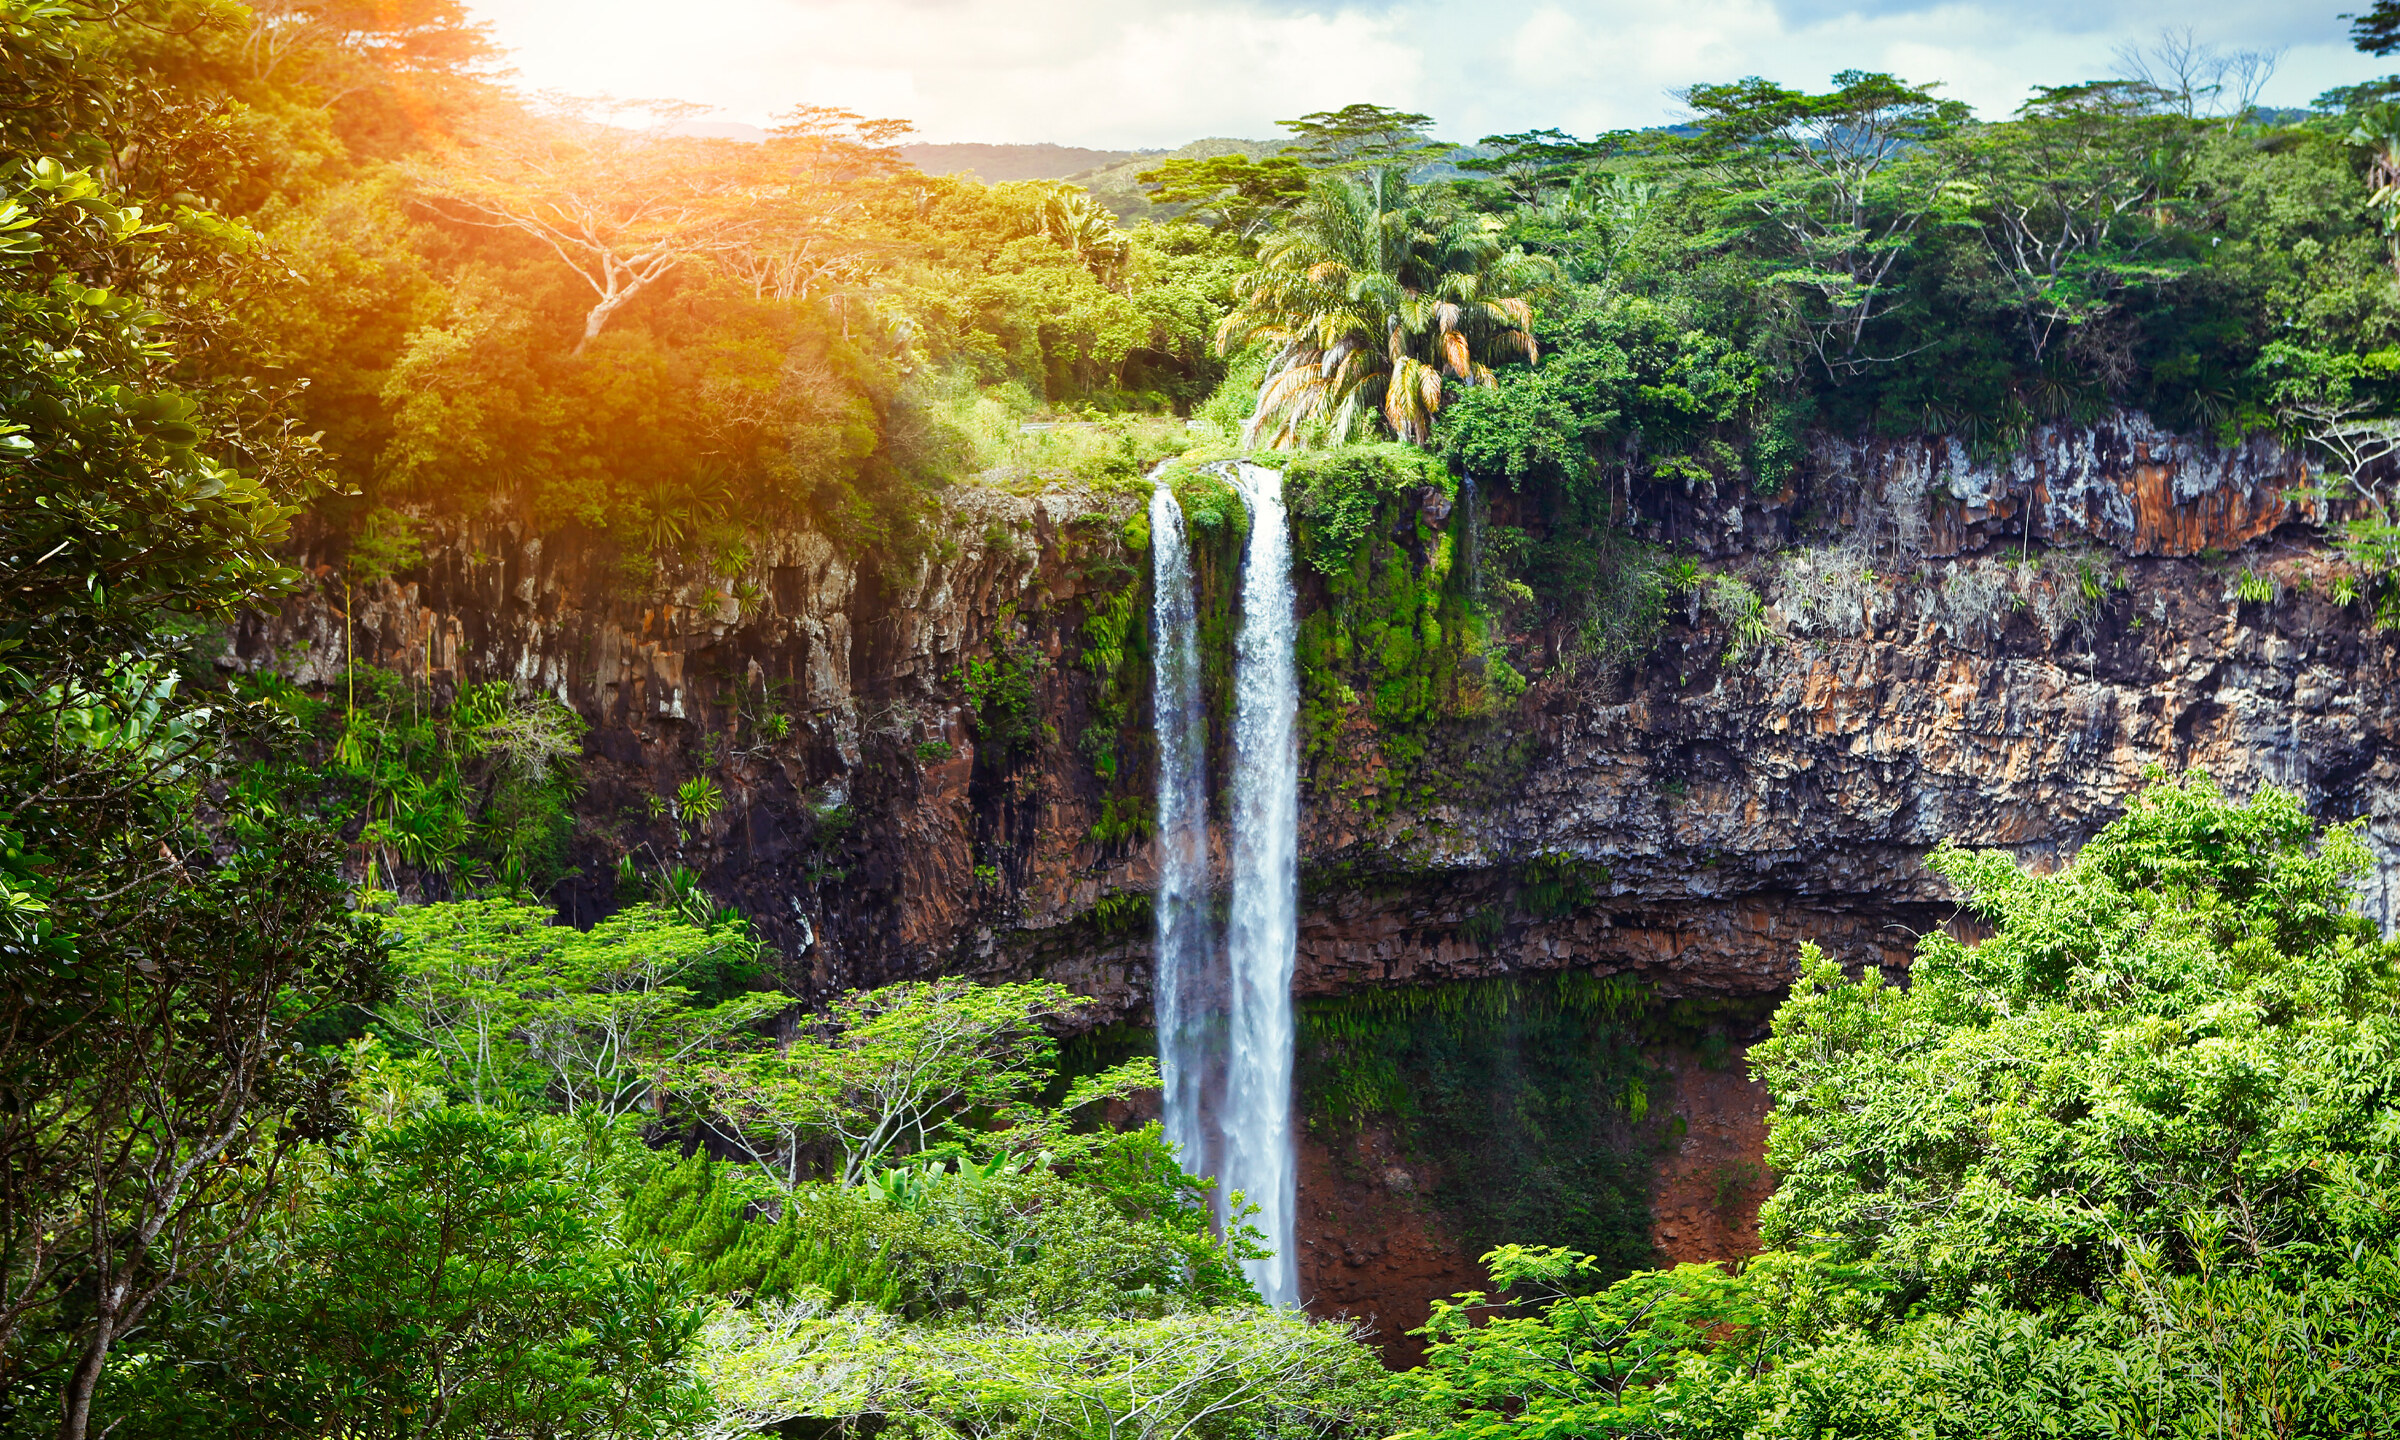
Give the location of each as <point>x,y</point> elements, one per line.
<point>1377,311</point>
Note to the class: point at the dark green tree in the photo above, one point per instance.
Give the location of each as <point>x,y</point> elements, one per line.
<point>457,1274</point>
<point>161,942</point>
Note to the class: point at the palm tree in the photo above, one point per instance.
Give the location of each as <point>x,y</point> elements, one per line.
<point>1378,310</point>
<point>2377,132</point>
<point>1086,228</point>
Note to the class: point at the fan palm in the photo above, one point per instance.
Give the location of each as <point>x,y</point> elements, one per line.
<point>1378,311</point>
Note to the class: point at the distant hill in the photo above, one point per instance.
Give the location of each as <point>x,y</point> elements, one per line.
<point>994,163</point>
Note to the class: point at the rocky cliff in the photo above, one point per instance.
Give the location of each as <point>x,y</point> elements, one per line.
<point>1939,646</point>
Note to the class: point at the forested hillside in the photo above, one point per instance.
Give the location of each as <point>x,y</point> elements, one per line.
<point>579,761</point>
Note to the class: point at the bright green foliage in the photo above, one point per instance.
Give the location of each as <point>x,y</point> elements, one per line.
<point>1115,630</point>
<point>1003,693</point>
<point>1229,1371</point>
<point>1188,1376</point>
<point>506,1004</point>
<point>1585,1363</point>
<point>1826,190</point>
<point>1241,194</point>
<point>1403,635</point>
<point>451,1275</point>
<point>1121,1231</point>
<point>700,1210</point>
<point>2073,197</point>
<point>2186,1022</point>
<point>894,1071</point>
<point>2121,1168</point>
<point>1339,494</point>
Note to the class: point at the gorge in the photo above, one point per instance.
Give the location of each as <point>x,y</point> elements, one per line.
<point>1683,822</point>
<point>666,775</point>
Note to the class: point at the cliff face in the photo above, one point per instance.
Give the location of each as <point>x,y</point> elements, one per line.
<point>1993,653</point>
<point>1949,665</point>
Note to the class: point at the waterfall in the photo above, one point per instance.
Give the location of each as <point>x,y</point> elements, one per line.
<point>1472,530</point>
<point>1472,663</point>
<point>1185,948</point>
<point>1225,1016</point>
<point>1263,929</point>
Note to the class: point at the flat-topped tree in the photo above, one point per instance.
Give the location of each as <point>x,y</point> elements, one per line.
<point>1531,162</point>
<point>622,208</point>
<point>1377,144</point>
<point>811,228</point>
<point>1828,188</point>
<point>1241,194</point>
<point>2075,196</point>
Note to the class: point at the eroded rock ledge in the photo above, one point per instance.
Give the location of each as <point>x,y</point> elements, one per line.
<point>2032,638</point>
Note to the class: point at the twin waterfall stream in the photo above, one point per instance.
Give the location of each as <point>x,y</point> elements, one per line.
<point>1223,998</point>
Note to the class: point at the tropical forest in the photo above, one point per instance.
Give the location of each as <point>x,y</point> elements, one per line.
<point>1736,778</point>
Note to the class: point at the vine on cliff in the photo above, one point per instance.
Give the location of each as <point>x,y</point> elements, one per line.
<point>1522,1096</point>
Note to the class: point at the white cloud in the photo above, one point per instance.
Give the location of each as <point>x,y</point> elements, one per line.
<point>1158,72</point>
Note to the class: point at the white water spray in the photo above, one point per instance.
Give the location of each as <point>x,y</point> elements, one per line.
<point>1263,929</point>
<point>1187,1022</point>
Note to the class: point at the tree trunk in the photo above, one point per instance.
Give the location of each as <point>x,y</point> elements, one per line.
<point>598,317</point>
<point>76,1422</point>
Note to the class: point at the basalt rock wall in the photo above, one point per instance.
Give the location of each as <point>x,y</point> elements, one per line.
<point>1997,653</point>
<point>1993,653</point>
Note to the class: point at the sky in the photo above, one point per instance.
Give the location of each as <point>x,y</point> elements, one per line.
<point>1125,74</point>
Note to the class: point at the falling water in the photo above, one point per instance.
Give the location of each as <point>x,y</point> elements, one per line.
<point>1471,531</point>
<point>1185,949</point>
<point>1262,934</point>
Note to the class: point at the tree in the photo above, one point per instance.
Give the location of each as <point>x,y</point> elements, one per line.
<point>2188,1024</point>
<point>162,937</point>
<point>1239,194</point>
<point>623,209</point>
<point>1829,187</point>
<point>1550,1357</point>
<point>2195,80</point>
<point>114,507</point>
<point>454,1274</point>
<point>2375,130</point>
<point>816,226</point>
<point>2377,30</point>
<point>1084,228</point>
<point>502,998</point>
<point>1380,144</point>
<point>1233,1371</point>
<point>784,1360</point>
<point>886,1073</point>
<point>338,47</point>
<point>2071,195</point>
<point>1163,1379</point>
<point>1532,162</point>
<point>2121,1167</point>
<point>155,1094</point>
<point>1375,311</point>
